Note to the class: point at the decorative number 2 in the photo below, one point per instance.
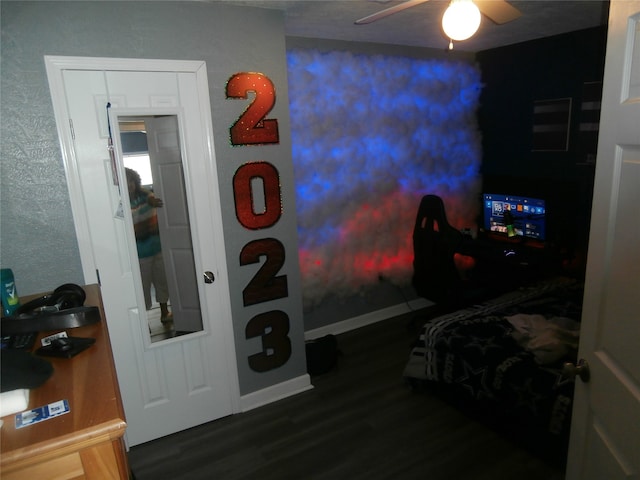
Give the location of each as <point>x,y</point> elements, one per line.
<point>265,285</point>
<point>252,128</point>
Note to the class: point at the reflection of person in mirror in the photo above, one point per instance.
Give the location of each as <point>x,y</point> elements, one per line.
<point>145,225</point>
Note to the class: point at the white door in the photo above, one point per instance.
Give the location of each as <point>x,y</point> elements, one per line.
<point>164,148</point>
<point>605,433</point>
<point>184,381</point>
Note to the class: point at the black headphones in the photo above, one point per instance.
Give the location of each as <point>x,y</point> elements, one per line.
<point>63,308</point>
<point>64,297</point>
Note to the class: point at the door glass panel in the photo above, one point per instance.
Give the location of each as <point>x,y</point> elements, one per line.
<point>160,216</point>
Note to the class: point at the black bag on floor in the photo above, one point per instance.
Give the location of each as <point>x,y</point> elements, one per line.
<point>322,354</point>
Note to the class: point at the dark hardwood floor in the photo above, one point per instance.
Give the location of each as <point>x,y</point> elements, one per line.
<point>361,421</point>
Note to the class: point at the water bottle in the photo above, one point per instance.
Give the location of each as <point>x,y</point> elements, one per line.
<point>10,299</point>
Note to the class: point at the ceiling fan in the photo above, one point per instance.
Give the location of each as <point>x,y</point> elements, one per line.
<point>498,11</point>
<point>462,17</point>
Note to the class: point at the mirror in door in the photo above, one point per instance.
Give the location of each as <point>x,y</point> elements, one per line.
<point>154,170</point>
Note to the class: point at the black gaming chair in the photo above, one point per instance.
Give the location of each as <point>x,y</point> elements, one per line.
<point>435,276</point>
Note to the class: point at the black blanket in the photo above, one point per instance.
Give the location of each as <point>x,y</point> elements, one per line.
<point>504,359</point>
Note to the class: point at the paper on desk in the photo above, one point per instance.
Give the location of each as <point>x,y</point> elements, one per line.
<point>13,401</point>
<point>40,414</point>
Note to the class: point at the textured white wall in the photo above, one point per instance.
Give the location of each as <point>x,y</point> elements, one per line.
<point>38,239</point>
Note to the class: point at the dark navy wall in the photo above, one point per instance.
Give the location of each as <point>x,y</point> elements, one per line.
<point>514,77</point>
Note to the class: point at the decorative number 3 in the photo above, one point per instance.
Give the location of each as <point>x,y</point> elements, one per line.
<point>252,128</point>
<point>273,327</point>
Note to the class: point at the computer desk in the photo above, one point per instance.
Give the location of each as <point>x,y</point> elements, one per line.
<point>510,262</point>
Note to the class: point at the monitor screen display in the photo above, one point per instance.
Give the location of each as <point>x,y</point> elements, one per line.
<point>514,216</point>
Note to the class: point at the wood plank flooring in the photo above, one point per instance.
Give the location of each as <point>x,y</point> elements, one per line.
<point>361,421</point>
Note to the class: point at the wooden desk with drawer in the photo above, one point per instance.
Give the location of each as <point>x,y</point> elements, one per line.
<point>87,442</point>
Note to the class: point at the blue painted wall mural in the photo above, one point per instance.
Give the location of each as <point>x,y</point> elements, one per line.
<point>372,134</point>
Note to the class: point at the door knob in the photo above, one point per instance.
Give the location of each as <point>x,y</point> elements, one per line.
<point>208,277</point>
<point>580,370</point>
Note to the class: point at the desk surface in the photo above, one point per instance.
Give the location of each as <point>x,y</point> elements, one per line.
<point>517,251</point>
<point>88,381</point>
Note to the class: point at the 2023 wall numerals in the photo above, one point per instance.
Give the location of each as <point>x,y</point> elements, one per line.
<point>252,128</point>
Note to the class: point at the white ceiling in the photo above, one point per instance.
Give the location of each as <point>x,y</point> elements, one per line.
<point>420,25</point>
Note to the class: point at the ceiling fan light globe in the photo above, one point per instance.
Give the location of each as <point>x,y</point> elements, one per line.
<point>461,19</point>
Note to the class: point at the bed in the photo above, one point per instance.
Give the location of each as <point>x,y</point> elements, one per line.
<point>502,360</point>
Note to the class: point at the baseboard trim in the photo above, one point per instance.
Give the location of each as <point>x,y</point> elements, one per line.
<point>367,319</point>
<point>302,383</point>
<point>275,392</point>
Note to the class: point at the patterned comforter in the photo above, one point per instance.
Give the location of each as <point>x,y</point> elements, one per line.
<point>505,357</point>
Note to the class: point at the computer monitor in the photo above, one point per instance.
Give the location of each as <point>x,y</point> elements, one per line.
<point>514,216</point>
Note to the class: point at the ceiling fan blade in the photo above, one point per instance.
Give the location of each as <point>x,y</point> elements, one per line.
<point>498,11</point>
<point>389,11</point>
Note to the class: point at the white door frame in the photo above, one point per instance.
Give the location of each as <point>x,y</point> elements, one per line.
<point>56,66</point>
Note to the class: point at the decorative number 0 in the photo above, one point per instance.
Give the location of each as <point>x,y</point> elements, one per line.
<point>265,284</point>
<point>243,195</point>
<point>252,128</point>
<point>273,327</point>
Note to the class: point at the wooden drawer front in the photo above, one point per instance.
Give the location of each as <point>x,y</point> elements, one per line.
<point>98,462</point>
<point>68,467</point>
